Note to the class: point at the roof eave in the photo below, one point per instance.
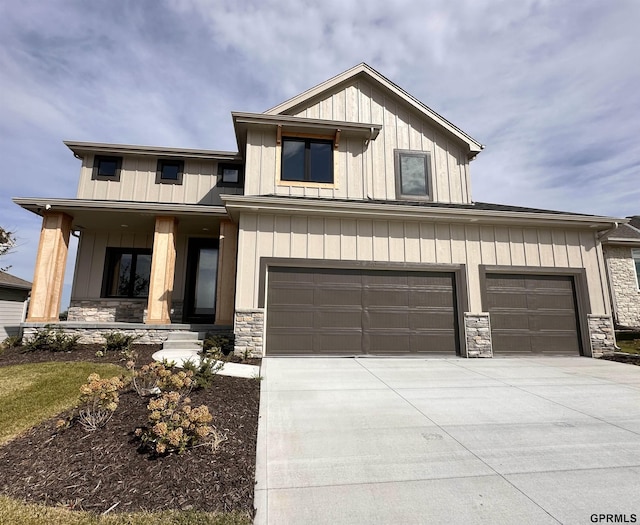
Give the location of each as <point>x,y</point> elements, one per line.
<point>239,203</point>
<point>82,148</point>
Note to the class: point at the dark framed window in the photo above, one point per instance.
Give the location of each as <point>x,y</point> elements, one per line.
<point>169,171</point>
<point>127,272</point>
<point>307,160</point>
<point>106,168</point>
<point>230,174</point>
<point>413,175</point>
<point>635,254</point>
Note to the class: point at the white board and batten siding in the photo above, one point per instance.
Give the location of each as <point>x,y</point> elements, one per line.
<point>364,171</point>
<point>342,239</point>
<point>138,183</point>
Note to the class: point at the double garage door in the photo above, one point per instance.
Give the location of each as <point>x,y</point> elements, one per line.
<point>337,311</point>
<point>360,311</point>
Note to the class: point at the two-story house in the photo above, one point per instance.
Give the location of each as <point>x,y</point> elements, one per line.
<point>344,225</point>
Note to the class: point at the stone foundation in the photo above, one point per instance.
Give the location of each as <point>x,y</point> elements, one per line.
<point>249,332</point>
<point>91,333</point>
<point>108,311</point>
<point>601,335</point>
<point>477,330</point>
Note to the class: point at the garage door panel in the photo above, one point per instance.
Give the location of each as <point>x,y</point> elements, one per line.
<point>441,298</point>
<point>382,312</point>
<point>539,317</point>
<point>343,318</point>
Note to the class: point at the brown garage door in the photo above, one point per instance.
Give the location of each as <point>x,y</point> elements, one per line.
<point>532,314</point>
<point>313,311</point>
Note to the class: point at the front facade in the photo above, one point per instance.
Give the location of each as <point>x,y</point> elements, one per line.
<point>344,225</point>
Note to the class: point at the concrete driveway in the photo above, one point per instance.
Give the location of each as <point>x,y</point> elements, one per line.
<point>403,441</point>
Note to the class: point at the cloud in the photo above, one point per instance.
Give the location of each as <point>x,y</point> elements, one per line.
<point>549,87</point>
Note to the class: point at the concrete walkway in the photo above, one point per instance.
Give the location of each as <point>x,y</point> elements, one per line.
<point>413,441</point>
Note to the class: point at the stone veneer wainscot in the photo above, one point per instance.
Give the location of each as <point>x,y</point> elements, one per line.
<point>249,332</point>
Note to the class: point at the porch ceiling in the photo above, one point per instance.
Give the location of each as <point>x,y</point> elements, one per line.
<point>132,216</point>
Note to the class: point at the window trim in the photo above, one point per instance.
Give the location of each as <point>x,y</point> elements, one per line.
<point>307,139</point>
<point>226,165</point>
<point>169,162</point>
<point>95,174</point>
<point>111,254</point>
<point>426,156</point>
<point>635,258</point>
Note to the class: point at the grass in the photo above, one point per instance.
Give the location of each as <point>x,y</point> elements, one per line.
<point>631,346</point>
<point>18,513</point>
<point>32,393</point>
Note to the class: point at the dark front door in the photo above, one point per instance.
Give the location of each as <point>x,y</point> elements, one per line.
<point>202,272</point>
<point>313,311</point>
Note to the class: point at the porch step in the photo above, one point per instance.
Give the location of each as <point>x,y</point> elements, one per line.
<point>191,341</point>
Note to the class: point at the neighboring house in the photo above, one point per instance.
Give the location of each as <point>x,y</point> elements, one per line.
<point>621,249</point>
<point>14,293</point>
<point>344,225</point>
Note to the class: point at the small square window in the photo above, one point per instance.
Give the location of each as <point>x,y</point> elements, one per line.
<point>169,171</point>
<point>307,160</point>
<point>230,174</point>
<point>106,168</point>
<point>413,175</point>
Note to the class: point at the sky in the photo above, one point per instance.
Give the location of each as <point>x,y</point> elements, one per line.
<point>551,88</point>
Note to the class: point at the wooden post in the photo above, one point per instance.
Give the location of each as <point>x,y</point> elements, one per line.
<point>226,280</point>
<point>163,263</point>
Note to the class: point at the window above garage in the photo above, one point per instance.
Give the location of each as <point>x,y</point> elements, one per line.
<point>413,175</point>
<point>307,160</point>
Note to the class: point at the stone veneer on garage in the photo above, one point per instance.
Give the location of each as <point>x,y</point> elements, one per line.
<point>249,332</point>
<point>477,331</point>
<point>601,335</point>
<point>622,277</point>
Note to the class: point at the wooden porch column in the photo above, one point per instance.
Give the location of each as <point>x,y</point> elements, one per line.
<point>48,278</point>
<point>163,262</point>
<point>226,282</point>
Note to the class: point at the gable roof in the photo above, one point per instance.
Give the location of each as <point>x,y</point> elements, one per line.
<point>11,281</point>
<point>367,71</point>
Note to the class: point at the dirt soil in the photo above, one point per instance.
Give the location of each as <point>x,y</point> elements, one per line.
<point>104,469</point>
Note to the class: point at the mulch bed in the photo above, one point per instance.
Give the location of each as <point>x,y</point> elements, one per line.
<point>105,469</point>
<point>630,359</point>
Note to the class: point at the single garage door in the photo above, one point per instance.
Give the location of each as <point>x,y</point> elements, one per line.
<point>312,311</point>
<point>533,314</point>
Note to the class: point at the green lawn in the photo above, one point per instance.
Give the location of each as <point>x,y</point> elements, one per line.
<point>631,346</point>
<point>32,393</point>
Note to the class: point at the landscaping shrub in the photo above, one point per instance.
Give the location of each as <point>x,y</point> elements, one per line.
<point>52,340</point>
<point>98,401</point>
<point>174,425</point>
<point>204,372</point>
<point>158,377</point>
<point>118,341</point>
<point>215,344</point>
<point>11,342</point>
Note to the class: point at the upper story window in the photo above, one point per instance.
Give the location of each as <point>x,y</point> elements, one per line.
<point>127,272</point>
<point>106,168</point>
<point>635,253</point>
<point>307,160</point>
<point>230,174</point>
<point>413,175</point>
<point>169,171</point>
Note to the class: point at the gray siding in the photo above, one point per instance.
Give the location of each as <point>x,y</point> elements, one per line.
<point>12,304</point>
